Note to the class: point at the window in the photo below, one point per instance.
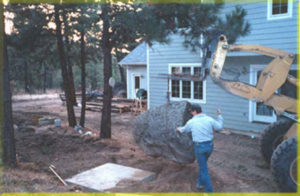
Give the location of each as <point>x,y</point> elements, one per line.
<point>175,83</point>
<point>198,86</point>
<point>279,9</point>
<point>136,82</point>
<point>186,85</point>
<point>186,89</point>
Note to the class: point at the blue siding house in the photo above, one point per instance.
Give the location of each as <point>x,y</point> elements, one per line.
<point>272,25</point>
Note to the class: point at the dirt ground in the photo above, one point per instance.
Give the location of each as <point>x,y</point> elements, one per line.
<point>235,165</point>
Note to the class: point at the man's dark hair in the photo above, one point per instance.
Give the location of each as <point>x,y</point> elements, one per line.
<point>196,107</point>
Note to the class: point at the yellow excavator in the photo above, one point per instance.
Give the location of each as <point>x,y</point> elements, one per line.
<point>279,140</point>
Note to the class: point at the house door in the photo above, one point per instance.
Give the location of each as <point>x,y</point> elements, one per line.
<point>136,84</point>
<point>259,111</point>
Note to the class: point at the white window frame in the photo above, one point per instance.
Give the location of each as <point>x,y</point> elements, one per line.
<point>289,13</point>
<point>253,117</point>
<point>180,98</point>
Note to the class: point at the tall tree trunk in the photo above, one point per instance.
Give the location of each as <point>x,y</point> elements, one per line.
<point>70,69</point>
<point>83,94</point>
<point>93,85</point>
<point>66,83</point>
<point>121,70</point>
<point>106,110</point>
<point>72,86</point>
<point>9,150</point>
<point>50,80</point>
<point>26,86</point>
<point>44,78</point>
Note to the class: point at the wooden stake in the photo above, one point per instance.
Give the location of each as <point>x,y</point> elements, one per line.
<point>51,167</point>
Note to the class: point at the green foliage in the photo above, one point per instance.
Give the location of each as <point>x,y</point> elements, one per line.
<point>31,46</point>
<point>235,25</point>
<point>207,20</point>
<point>95,76</point>
<point>29,24</point>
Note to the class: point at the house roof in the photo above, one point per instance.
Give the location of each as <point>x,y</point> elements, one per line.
<point>137,56</point>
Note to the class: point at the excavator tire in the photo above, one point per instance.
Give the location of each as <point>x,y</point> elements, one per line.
<point>284,165</point>
<point>273,136</point>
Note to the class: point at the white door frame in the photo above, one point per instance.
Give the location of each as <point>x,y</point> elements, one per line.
<point>133,75</point>
<point>252,104</point>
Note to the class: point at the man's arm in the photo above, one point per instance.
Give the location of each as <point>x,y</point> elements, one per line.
<point>185,128</point>
<point>218,124</point>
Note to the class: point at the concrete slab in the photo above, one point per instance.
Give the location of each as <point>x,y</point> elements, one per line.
<point>108,176</point>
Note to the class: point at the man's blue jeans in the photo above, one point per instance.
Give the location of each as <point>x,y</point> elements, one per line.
<point>202,152</point>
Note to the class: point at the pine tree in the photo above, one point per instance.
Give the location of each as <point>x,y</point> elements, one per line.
<point>122,24</point>
<point>26,46</point>
<point>6,119</point>
<point>67,8</point>
<point>81,25</point>
<point>64,71</point>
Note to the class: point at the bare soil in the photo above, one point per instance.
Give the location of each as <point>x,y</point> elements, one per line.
<point>236,164</point>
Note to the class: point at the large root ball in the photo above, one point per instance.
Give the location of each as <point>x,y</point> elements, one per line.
<point>155,133</point>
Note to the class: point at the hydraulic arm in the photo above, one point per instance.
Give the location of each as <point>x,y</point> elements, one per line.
<point>272,77</point>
